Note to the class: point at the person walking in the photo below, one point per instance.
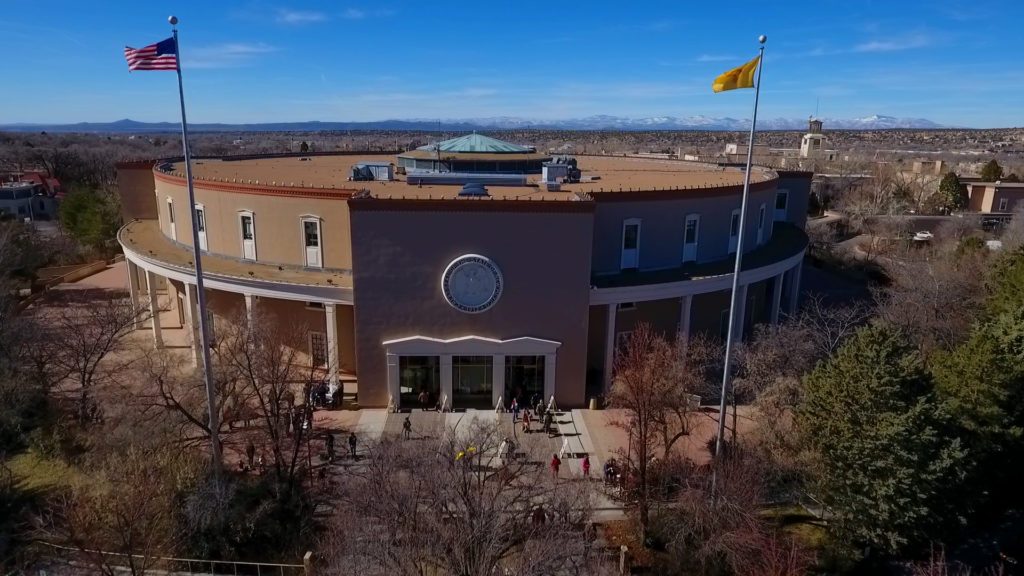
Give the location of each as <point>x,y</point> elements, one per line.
<point>406,429</point>
<point>352,445</point>
<point>555,465</point>
<point>526,421</point>
<point>548,419</point>
<point>250,454</point>
<point>515,410</point>
<point>330,447</point>
<point>586,467</point>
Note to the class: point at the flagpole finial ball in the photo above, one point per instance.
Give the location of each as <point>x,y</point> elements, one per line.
<point>174,21</point>
<point>762,38</point>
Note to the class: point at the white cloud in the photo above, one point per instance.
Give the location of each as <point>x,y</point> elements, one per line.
<point>298,17</point>
<point>354,14</point>
<point>231,55</point>
<point>916,41</point>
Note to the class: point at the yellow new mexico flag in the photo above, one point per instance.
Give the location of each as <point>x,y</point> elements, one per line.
<point>742,77</point>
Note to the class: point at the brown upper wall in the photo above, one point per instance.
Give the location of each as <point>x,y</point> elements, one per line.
<point>135,185</point>
<point>663,218</point>
<point>545,264</point>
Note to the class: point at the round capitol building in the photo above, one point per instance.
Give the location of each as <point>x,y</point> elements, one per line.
<point>472,270</point>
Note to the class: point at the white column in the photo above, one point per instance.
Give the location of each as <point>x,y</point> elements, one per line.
<point>446,377</point>
<point>498,381</point>
<point>685,303</point>
<point>794,288</point>
<point>250,303</point>
<point>549,377</point>
<point>393,384</point>
<point>133,291</point>
<point>332,345</point>
<point>777,297</point>
<point>609,347</point>
<point>192,320</point>
<point>741,312</point>
<point>154,309</point>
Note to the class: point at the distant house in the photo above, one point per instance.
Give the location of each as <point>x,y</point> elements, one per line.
<point>993,197</point>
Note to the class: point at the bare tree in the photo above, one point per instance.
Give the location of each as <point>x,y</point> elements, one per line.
<point>122,515</point>
<point>458,507</point>
<point>724,530</point>
<point>935,300</point>
<point>86,327</point>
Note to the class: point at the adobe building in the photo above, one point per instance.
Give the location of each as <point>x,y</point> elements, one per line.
<point>472,292</point>
<point>993,197</point>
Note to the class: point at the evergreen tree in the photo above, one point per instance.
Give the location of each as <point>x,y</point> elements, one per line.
<point>887,465</point>
<point>991,171</point>
<point>953,195</point>
<point>92,218</point>
<point>1012,178</point>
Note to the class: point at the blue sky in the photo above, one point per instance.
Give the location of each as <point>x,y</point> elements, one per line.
<point>953,62</point>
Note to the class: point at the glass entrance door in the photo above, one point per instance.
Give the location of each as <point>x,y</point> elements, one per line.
<point>419,380</point>
<point>524,379</point>
<point>472,381</point>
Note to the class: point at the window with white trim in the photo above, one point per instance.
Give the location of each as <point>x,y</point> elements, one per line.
<point>170,219</point>
<point>1003,202</point>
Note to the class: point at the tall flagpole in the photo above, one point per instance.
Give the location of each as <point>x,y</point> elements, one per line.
<point>200,291</point>
<point>731,333</point>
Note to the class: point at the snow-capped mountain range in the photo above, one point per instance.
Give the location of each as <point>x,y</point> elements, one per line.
<point>698,122</point>
<point>601,122</point>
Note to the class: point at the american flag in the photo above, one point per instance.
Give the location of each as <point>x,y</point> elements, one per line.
<point>160,56</point>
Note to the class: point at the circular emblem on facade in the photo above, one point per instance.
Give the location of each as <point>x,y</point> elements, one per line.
<point>471,283</point>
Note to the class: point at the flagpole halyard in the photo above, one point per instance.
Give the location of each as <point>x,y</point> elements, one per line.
<point>731,332</point>
<point>204,335</point>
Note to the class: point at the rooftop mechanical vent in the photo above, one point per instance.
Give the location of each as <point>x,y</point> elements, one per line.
<point>473,189</point>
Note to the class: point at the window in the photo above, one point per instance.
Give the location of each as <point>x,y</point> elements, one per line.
<point>315,305</point>
<point>200,218</point>
<point>170,219</point>
<point>318,348</point>
<point>209,328</point>
<point>312,234</point>
<point>247,228</point>
<point>734,231</point>
<point>248,232</point>
<point>630,244</point>
<point>781,204</point>
<point>622,339</point>
<point>760,225</point>
<point>311,242</point>
<point>627,306</point>
<point>1002,204</point>
<point>631,237</point>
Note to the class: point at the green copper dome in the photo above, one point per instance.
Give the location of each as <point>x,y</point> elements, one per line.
<point>478,143</point>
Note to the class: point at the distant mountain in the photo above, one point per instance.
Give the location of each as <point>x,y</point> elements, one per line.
<point>601,122</point>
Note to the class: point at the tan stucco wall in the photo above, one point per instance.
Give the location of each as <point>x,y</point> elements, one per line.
<point>135,185</point>
<point>544,259</point>
<point>662,226</point>
<point>229,307</point>
<point>278,228</point>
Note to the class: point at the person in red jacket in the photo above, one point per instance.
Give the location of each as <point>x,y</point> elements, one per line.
<point>586,467</point>
<point>555,464</point>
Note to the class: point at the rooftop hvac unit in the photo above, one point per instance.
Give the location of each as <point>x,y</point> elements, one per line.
<point>473,189</point>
